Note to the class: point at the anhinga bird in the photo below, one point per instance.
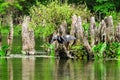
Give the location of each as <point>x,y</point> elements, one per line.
<point>62,39</point>
<point>65,41</point>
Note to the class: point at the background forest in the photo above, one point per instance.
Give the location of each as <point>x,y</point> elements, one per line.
<point>47,15</point>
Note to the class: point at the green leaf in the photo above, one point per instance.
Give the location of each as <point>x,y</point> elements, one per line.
<point>2,53</point>
<point>52,53</point>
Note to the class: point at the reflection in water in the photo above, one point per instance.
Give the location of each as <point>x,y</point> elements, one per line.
<point>3,69</point>
<point>28,68</point>
<point>33,68</point>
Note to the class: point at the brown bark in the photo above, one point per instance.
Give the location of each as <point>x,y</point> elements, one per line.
<point>117,34</point>
<point>109,29</point>
<point>101,32</point>
<point>63,28</point>
<point>73,28</point>
<point>28,43</point>
<point>10,35</point>
<point>87,47</point>
<point>92,31</point>
<point>62,50</point>
<point>79,30</point>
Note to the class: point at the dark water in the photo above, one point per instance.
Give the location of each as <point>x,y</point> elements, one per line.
<point>36,68</point>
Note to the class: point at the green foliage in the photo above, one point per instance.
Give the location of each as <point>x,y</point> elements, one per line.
<point>3,50</point>
<point>5,29</point>
<point>86,26</point>
<point>113,50</point>
<point>115,15</point>
<point>110,50</point>
<point>47,18</point>
<point>79,51</point>
<point>3,7</point>
<point>17,30</point>
<point>98,50</point>
<point>9,6</point>
<point>52,50</point>
<point>104,6</point>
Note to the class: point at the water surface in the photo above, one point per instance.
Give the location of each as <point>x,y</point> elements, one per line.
<point>38,68</point>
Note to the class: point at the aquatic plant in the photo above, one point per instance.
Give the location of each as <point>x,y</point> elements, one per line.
<point>3,50</point>
<point>52,50</point>
<point>98,50</point>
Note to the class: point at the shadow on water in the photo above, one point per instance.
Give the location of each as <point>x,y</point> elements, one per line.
<point>36,68</point>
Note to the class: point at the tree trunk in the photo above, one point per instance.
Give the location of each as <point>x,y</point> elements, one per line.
<point>79,31</point>
<point>73,28</point>
<point>109,29</point>
<point>62,50</point>
<point>28,42</point>
<point>117,34</point>
<point>10,35</point>
<point>101,32</point>
<point>92,31</point>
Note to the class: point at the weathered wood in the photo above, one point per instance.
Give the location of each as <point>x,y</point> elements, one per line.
<point>74,20</point>
<point>28,42</point>
<point>95,35</point>
<point>63,28</point>
<point>79,30</point>
<point>87,46</point>
<point>73,28</point>
<point>62,50</point>
<point>101,32</point>
<point>117,34</point>
<point>83,37</point>
<point>10,35</point>
<point>109,29</point>
<point>92,31</point>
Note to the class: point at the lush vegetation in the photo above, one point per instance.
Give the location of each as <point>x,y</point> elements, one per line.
<point>45,19</point>
<point>47,15</point>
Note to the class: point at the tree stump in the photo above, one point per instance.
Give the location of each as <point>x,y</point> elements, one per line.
<point>92,31</point>
<point>117,34</point>
<point>62,50</point>
<point>73,28</point>
<point>109,29</point>
<point>10,35</point>
<point>28,42</point>
<point>79,30</point>
<point>101,32</point>
<point>95,35</point>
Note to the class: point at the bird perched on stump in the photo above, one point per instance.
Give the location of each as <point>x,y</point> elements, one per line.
<point>65,39</point>
<point>62,39</point>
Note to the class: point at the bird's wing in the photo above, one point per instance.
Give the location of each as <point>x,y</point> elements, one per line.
<point>68,38</point>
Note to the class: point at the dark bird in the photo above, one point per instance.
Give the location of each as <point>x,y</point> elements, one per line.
<point>62,39</point>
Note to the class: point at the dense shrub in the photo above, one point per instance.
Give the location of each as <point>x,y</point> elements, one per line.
<point>47,18</point>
